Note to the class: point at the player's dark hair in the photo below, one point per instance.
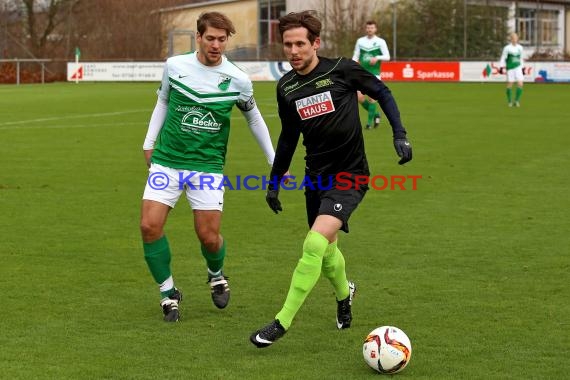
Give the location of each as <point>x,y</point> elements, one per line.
<point>371,22</point>
<point>215,20</point>
<point>304,19</point>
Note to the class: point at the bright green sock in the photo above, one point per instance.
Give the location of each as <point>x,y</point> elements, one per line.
<point>334,270</point>
<point>305,277</point>
<point>518,94</point>
<point>365,104</point>
<point>215,260</point>
<point>157,256</point>
<point>371,113</point>
<point>509,95</point>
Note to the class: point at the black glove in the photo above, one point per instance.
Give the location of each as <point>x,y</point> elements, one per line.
<point>404,150</point>
<point>502,70</point>
<point>272,198</point>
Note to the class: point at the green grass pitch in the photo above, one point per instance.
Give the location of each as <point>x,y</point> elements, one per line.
<point>473,265</point>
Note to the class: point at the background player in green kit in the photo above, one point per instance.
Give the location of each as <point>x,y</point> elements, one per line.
<point>370,51</point>
<point>512,60</point>
<point>185,148</point>
<point>317,99</point>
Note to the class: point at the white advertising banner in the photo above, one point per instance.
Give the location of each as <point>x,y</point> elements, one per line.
<point>555,72</point>
<point>152,71</point>
<point>543,72</point>
<point>272,71</point>
<point>115,71</point>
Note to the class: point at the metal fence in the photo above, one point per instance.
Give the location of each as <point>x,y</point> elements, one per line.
<point>30,70</point>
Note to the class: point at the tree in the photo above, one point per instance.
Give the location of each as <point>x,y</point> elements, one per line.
<point>486,31</point>
<point>41,20</point>
<point>343,22</point>
<point>445,29</point>
<point>119,30</point>
<point>103,29</point>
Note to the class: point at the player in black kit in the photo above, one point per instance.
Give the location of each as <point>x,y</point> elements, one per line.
<point>318,99</point>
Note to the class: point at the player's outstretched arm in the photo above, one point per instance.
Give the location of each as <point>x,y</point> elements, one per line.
<point>286,146</point>
<point>376,89</point>
<point>154,126</point>
<point>258,128</point>
<point>385,56</point>
<point>356,52</point>
<point>503,60</point>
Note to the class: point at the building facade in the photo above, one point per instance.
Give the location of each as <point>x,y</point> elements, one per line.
<point>543,26</point>
<point>255,22</point>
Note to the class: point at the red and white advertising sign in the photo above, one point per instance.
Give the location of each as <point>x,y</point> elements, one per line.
<point>315,105</point>
<point>76,73</point>
<point>420,71</point>
<point>115,71</point>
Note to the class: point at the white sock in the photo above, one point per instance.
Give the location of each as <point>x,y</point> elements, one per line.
<point>167,284</point>
<point>214,274</point>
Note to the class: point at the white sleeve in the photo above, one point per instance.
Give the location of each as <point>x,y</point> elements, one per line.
<point>156,122</point>
<point>164,88</point>
<point>502,61</point>
<point>385,56</point>
<point>356,54</point>
<point>259,129</point>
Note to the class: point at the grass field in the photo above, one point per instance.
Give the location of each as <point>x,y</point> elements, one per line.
<point>474,265</point>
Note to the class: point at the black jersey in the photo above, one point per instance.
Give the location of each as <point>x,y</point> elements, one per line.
<point>323,106</point>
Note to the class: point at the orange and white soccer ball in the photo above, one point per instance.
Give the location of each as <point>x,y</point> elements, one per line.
<point>387,349</point>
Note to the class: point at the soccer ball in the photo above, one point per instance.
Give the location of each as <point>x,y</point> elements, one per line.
<point>387,349</point>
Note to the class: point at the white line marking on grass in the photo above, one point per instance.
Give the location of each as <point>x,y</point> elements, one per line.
<point>11,125</point>
<point>72,117</point>
<point>22,127</point>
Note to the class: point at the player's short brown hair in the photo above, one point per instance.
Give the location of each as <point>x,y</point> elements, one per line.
<point>304,19</point>
<point>371,22</point>
<point>215,20</point>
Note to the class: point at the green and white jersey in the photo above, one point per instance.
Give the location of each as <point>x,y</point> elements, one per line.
<point>200,99</point>
<point>512,56</point>
<point>366,48</point>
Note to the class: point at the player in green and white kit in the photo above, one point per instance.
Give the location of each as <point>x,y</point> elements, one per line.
<point>185,148</point>
<point>370,51</point>
<point>512,60</point>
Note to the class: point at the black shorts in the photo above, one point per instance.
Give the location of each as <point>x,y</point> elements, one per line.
<point>333,201</point>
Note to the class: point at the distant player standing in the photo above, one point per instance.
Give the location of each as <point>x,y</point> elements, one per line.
<point>187,138</point>
<point>370,51</point>
<point>512,60</point>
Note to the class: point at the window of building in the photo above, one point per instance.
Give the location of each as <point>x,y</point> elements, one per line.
<point>526,27</point>
<point>548,27</point>
<point>269,13</point>
<point>537,26</point>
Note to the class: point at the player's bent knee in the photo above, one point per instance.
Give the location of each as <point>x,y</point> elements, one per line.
<point>315,244</point>
<point>210,241</point>
<point>328,270</point>
<point>150,231</point>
